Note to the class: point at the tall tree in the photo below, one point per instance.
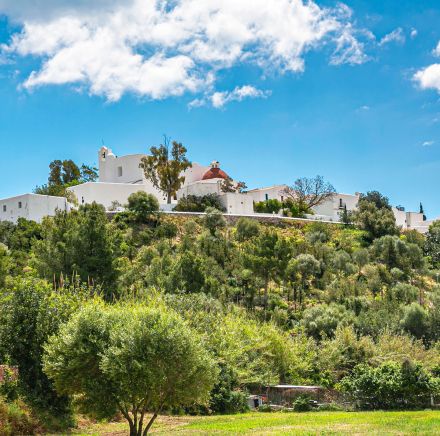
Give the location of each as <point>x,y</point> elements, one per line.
<point>135,360</point>
<point>164,167</point>
<point>310,192</point>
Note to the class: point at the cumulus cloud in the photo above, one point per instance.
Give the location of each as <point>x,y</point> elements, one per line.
<point>396,35</point>
<point>164,48</point>
<point>413,33</point>
<point>429,77</point>
<point>428,143</point>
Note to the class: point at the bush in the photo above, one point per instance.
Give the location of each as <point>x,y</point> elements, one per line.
<point>322,320</point>
<point>195,203</point>
<point>391,386</point>
<point>142,205</point>
<point>302,404</point>
<point>268,206</point>
<point>15,419</point>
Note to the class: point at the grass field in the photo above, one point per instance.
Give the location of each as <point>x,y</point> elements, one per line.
<point>329,423</point>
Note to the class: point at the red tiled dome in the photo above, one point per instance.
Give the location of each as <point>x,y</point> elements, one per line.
<point>215,173</point>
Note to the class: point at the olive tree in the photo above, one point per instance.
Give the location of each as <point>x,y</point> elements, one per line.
<point>131,359</point>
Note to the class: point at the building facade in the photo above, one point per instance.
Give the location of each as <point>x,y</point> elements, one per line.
<point>119,177</point>
<point>32,207</point>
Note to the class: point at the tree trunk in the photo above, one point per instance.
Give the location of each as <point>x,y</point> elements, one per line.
<point>169,197</point>
<point>150,423</point>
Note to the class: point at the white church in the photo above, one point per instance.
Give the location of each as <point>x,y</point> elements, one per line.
<point>121,176</point>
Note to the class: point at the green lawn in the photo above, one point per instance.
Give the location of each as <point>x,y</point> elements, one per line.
<point>329,423</point>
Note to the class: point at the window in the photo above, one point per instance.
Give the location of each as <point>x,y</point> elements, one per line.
<point>4,208</point>
<point>19,204</point>
<point>341,206</point>
<point>82,200</point>
<point>266,196</point>
<point>119,171</point>
<point>282,199</point>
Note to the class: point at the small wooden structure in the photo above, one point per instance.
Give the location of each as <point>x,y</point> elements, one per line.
<point>285,395</point>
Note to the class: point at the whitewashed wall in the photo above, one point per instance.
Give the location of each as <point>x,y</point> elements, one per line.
<point>106,193</point>
<point>33,207</point>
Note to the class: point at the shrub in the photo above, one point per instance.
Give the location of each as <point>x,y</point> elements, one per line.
<point>322,320</point>
<point>195,203</point>
<point>15,419</point>
<point>268,206</point>
<point>390,386</point>
<point>302,404</point>
<point>142,205</point>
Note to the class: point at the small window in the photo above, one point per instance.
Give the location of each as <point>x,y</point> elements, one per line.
<point>119,171</point>
<point>4,208</point>
<point>340,203</point>
<point>20,204</point>
<point>282,199</point>
<point>266,196</point>
<point>82,200</point>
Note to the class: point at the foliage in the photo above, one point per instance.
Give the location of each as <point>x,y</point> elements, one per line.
<point>432,244</point>
<point>164,167</point>
<point>376,221</point>
<point>31,311</point>
<point>322,320</point>
<point>142,205</point>
<point>195,203</point>
<point>64,174</point>
<point>129,358</point>
<point>391,386</point>
<point>302,403</point>
<point>268,206</point>
<point>77,243</point>
<point>16,419</point>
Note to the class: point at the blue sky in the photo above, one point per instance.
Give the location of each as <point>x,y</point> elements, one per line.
<point>365,115</point>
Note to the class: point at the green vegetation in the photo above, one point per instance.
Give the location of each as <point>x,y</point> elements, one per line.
<point>335,423</point>
<point>147,313</point>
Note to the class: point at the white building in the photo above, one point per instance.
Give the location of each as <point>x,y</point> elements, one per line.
<point>31,207</point>
<point>119,177</point>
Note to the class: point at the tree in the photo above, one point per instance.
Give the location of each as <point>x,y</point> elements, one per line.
<point>375,197</point>
<point>164,167</point>
<point>415,320</point>
<point>246,229</point>
<point>228,185</point>
<point>30,312</point>
<point>196,203</point>
<point>390,386</point>
<point>432,244</point>
<point>322,320</point>
<point>301,270</point>
<point>5,264</point>
<point>66,173</point>
<point>268,206</point>
<point>214,220</point>
<point>142,205</point>
<point>310,192</point>
<point>132,359</point>
<point>376,222</point>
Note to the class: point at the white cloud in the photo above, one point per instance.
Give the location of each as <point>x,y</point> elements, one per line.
<point>165,48</point>
<point>396,35</point>
<point>220,99</point>
<point>427,143</point>
<point>429,77</point>
<point>436,51</point>
<point>413,33</point>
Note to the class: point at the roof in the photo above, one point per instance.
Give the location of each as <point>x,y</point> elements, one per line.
<point>215,173</point>
<point>295,387</point>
